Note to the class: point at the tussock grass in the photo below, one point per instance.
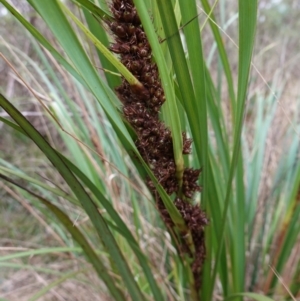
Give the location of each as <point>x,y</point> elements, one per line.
<point>246,138</point>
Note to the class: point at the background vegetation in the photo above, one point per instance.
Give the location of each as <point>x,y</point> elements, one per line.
<point>42,259</point>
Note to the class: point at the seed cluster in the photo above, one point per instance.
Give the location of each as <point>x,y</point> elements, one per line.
<point>141,105</point>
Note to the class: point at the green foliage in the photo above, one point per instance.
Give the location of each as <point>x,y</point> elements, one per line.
<point>97,140</point>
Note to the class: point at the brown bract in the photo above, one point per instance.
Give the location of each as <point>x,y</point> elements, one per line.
<point>141,104</point>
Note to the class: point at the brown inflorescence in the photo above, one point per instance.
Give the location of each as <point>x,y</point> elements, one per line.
<point>141,104</point>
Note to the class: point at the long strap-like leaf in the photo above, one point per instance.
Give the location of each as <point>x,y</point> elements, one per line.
<point>80,239</point>
<point>247,27</point>
<point>120,226</point>
<point>85,200</point>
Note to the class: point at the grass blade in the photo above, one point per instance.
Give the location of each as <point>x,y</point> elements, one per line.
<point>170,109</point>
<point>254,296</point>
<point>72,47</point>
<point>93,8</point>
<point>247,26</point>
<point>85,200</point>
<point>42,40</point>
<point>81,240</point>
<point>99,32</point>
<point>121,226</point>
<point>222,52</point>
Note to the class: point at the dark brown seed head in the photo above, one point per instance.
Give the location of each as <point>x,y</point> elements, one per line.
<point>128,16</point>
<point>143,52</point>
<point>140,91</point>
<point>120,48</point>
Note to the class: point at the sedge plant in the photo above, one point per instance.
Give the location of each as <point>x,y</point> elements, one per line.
<point>186,101</point>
